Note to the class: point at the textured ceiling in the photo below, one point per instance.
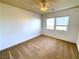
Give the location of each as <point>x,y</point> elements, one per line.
<point>33,5</point>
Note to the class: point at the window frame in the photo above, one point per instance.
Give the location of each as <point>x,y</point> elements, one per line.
<point>50,26</point>
<point>59,25</point>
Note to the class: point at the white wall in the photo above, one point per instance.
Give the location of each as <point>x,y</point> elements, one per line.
<point>78,42</point>
<point>71,34</point>
<point>17,25</point>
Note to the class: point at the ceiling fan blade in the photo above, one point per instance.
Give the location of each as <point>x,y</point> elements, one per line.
<point>50,0</point>
<point>37,1</point>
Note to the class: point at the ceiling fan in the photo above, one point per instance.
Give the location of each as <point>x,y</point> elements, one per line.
<point>43,4</point>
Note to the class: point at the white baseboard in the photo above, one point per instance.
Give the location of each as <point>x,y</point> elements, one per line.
<point>59,38</point>
<point>16,43</point>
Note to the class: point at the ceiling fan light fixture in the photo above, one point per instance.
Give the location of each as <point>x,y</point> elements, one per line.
<point>43,6</point>
<point>43,9</point>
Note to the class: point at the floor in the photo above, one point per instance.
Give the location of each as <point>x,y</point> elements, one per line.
<point>42,47</point>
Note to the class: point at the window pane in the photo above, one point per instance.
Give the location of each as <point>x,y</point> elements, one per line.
<point>50,23</point>
<point>64,28</point>
<point>62,20</point>
<point>50,27</point>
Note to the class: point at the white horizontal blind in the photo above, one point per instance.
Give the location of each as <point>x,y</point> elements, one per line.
<point>62,23</point>
<point>50,23</point>
<point>59,23</point>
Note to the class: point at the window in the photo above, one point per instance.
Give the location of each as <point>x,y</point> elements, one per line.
<point>59,23</point>
<point>62,23</point>
<point>50,23</point>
